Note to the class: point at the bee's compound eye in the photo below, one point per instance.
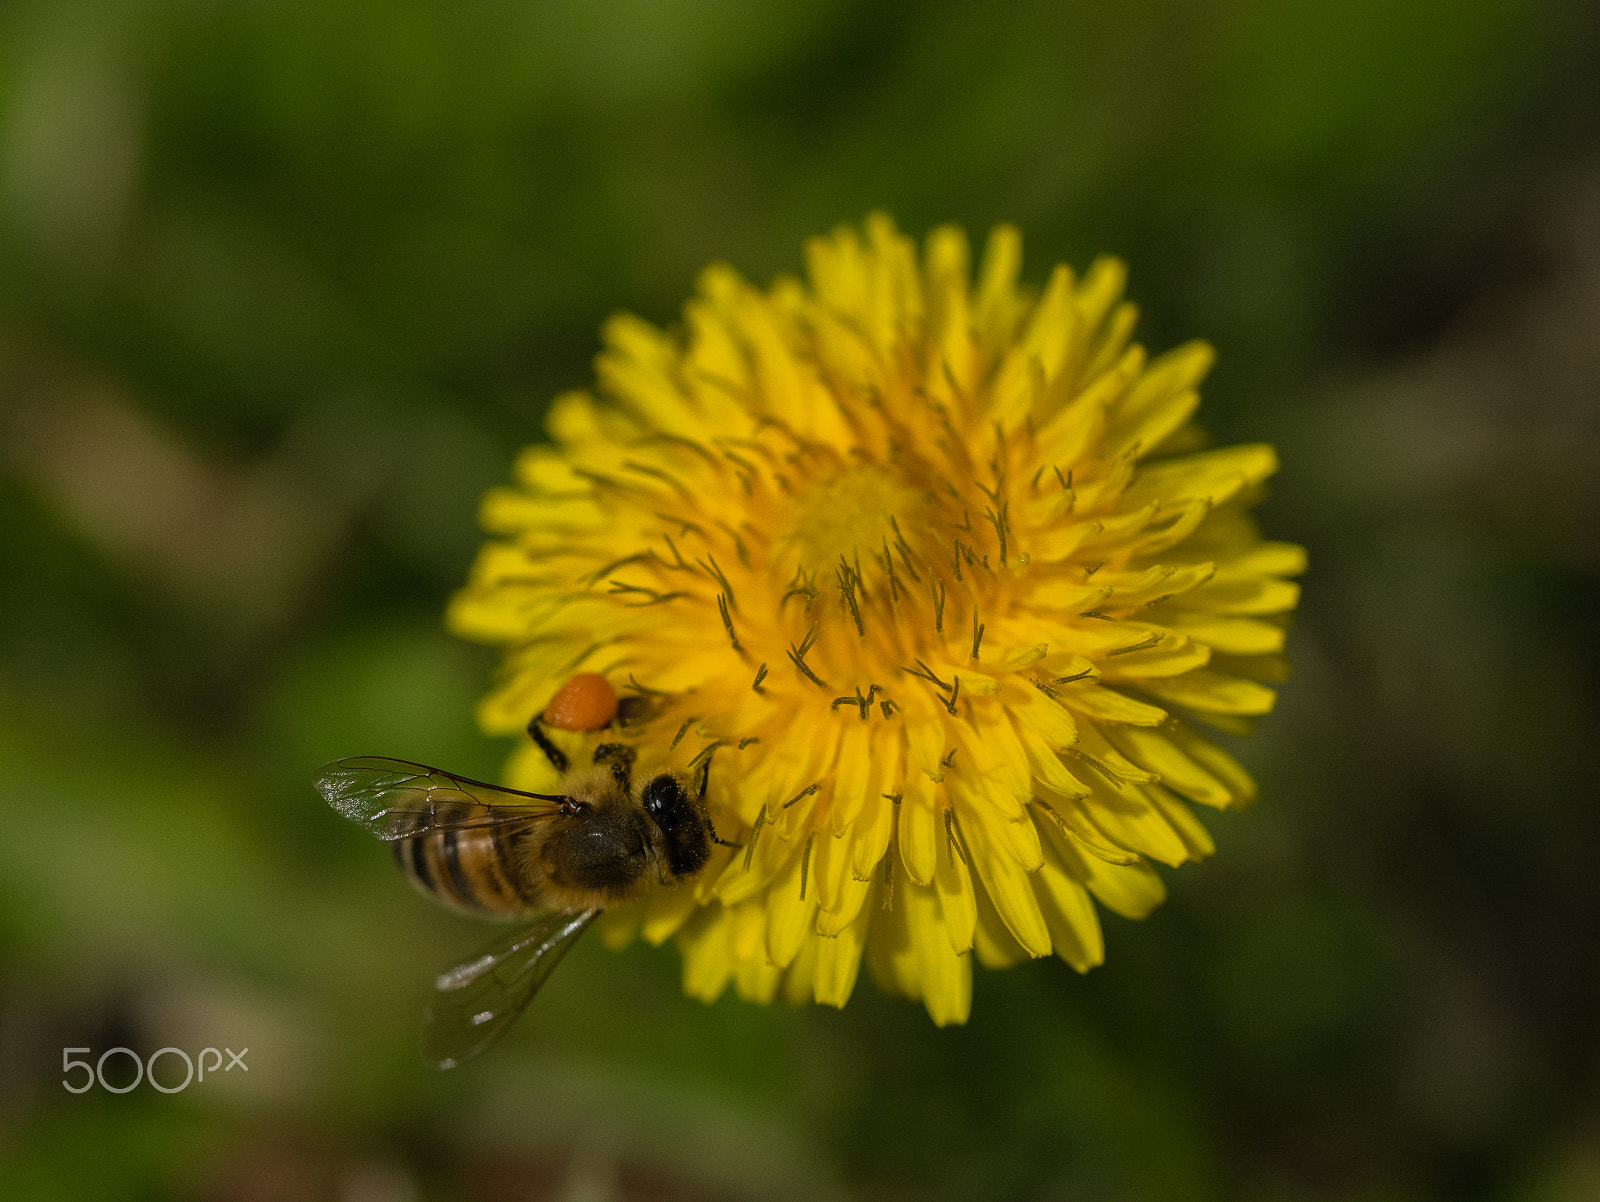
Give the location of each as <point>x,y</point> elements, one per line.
<point>586,702</point>
<point>662,795</point>
<point>684,829</point>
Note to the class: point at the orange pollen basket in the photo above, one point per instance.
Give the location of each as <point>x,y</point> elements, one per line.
<point>586,702</point>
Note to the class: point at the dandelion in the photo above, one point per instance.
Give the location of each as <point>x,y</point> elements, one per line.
<point>928,579</point>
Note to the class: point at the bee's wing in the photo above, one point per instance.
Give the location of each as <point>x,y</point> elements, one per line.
<point>478,999</point>
<point>396,799</point>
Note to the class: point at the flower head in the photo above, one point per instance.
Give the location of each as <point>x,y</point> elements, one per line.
<point>928,581</point>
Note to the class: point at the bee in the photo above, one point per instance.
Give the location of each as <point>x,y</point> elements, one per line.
<point>552,861</point>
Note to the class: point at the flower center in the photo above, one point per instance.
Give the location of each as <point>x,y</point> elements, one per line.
<point>847,515</point>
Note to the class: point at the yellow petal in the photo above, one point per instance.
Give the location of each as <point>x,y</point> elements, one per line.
<point>1232,636</point>
<point>1232,591</point>
<point>995,308</point>
<point>1174,656</point>
<point>830,867</point>
<point>665,912</point>
<point>1215,761</point>
<point>1114,337</point>
<point>1151,427</point>
<point>1047,718</point>
<point>872,834</point>
<point>1006,882</point>
<point>952,880</point>
<point>914,958</point>
<point>791,910</point>
<point>992,943</point>
<point>1068,912</point>
<point>920,831</point>
<point>1182,819</point>
<point>839,960</point>
<point>1108,705</point>
<point>1131,890</point>
<point>853,895</point>
<point>1213,692</point>
<point>946,272</point>
<point>852,777</point>
<point>992,763</point>
<point>1010,826</point>
<point>800,978</point>
<point>1277,559</point>
<point>1155,750</point>
<point>1215,476</point>
<point>1047,767</point>
<point>707,964</point>
<point>757,982</point>
<point>1128,820</point>
<point>747,938</point>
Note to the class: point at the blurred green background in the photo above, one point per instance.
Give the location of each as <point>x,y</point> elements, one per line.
<point>283,287</point>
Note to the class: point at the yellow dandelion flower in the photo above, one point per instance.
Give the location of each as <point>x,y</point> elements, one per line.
<point>933,581</point>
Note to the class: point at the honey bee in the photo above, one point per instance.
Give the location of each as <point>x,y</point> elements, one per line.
<point>552,860</point>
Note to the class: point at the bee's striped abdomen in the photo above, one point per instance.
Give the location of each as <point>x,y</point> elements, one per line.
<point>471,870</point>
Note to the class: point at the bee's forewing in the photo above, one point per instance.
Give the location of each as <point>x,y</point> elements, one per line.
<point>397,799</point>
<point>476,1001</point>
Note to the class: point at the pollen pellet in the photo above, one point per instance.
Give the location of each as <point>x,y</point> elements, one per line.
<point>586,702</point>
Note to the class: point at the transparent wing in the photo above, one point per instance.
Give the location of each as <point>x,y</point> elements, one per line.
<point>396,799</point>
<point>478,999</point>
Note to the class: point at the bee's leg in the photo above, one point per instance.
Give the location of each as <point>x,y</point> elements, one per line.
<point>557,757</point>
<point>703,775</point>
<point>703,779</point>
<point>632,710</point>
<point>620,756</point>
